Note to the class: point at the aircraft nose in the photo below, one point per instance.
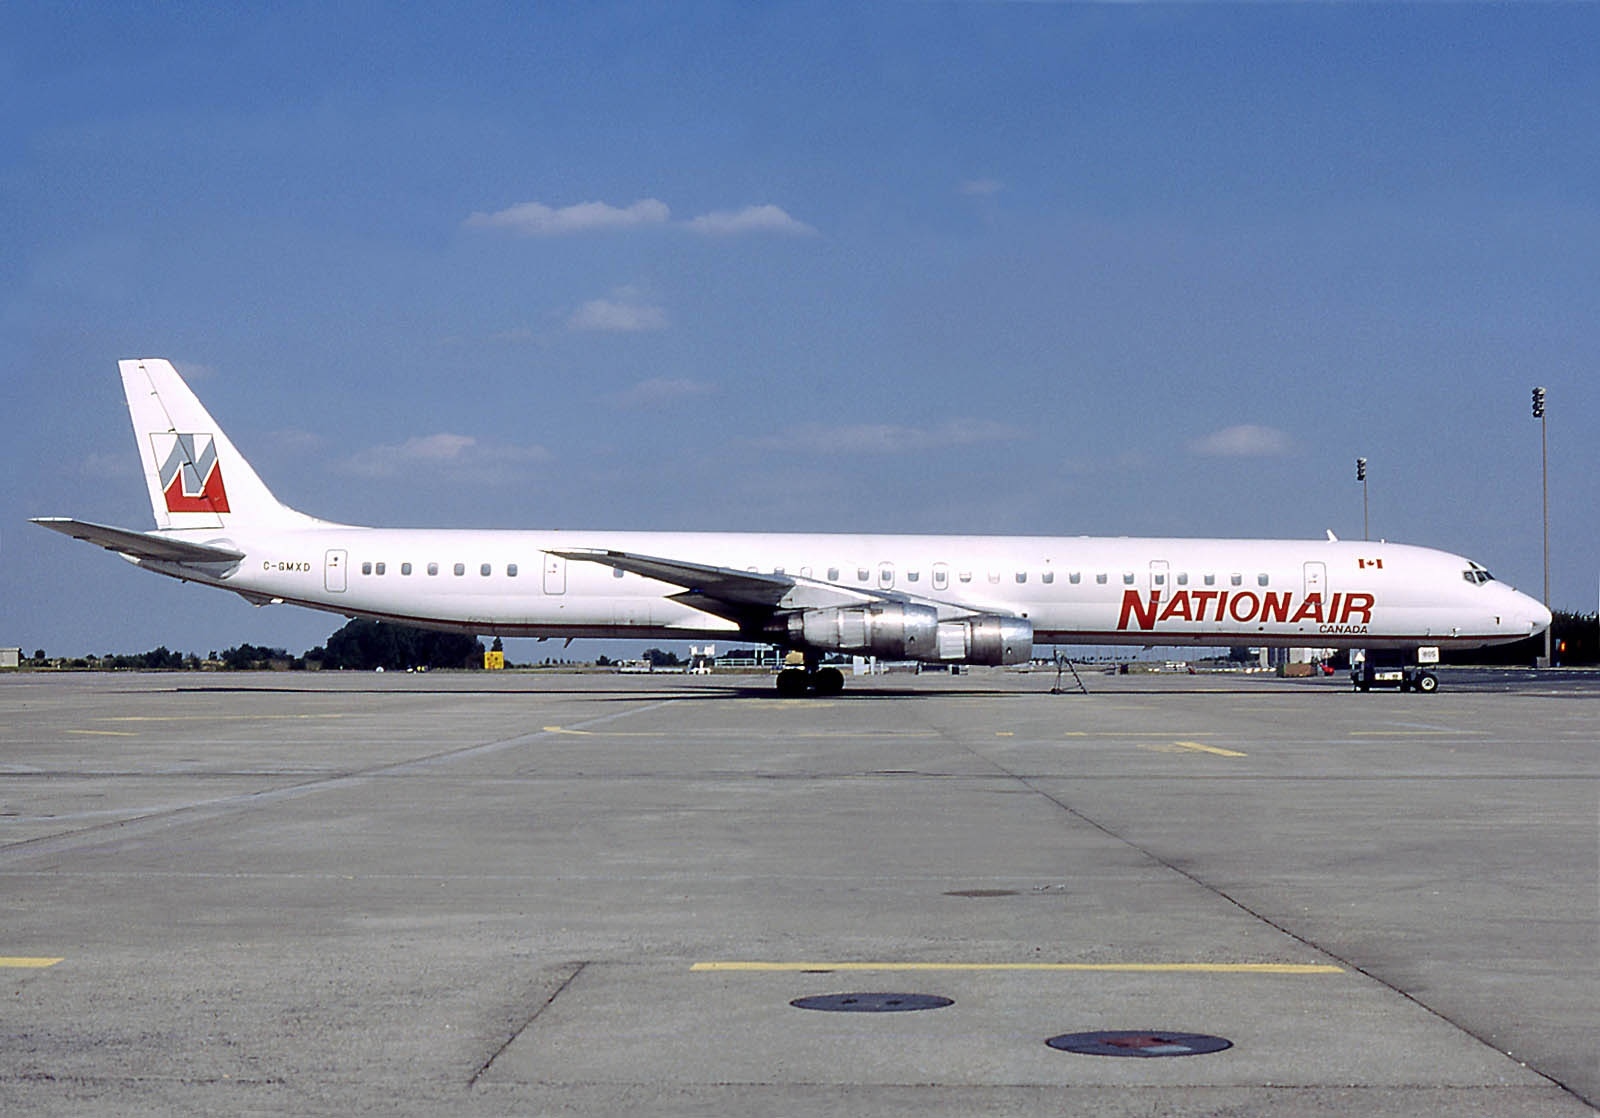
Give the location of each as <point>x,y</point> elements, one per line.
<point>1533,613</point>
<point>1541,617</point>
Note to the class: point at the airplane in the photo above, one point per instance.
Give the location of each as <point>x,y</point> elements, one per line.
<point>937,599</point>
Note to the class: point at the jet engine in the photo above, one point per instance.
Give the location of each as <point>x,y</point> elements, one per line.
<point>893,630</point>
<point>988,639</point>
<point>900,631</point>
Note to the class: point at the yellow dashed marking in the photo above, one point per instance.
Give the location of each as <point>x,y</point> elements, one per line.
<point>1199,747</point>
<point>26,961</point>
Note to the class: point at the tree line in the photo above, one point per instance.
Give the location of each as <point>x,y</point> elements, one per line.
<point>361,645</point>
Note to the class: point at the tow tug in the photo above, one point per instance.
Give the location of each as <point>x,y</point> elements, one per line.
<point>1406,670</point>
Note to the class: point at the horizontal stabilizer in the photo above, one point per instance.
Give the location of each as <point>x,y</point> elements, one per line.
<point>139,545</point>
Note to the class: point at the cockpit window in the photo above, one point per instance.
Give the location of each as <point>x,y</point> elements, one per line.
<point>1476,574</point>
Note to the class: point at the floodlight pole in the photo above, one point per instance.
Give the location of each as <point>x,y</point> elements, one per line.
<point>1361,476</point>
<point>1544,471</point>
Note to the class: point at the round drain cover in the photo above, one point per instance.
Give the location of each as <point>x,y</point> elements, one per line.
<point>872,1003</point>
<point>1137,1043</point>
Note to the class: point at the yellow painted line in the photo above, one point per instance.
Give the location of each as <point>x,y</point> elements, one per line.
<point>26,961</point>
<point>1005,733</point>
<point>105,733</point>
<point>1213,749</point>
<point>1125,734</point>
<point>1125,968</point>
<point>213,717</point>
<point>559,730</point>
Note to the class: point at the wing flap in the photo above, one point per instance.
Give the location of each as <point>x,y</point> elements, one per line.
<point>139,545</point>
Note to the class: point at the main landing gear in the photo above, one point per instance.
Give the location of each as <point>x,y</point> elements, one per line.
<point>795,683</point>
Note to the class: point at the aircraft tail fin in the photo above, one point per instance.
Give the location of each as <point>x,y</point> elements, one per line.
<point>196,477</point>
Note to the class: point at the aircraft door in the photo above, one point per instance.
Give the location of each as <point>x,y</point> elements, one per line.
<point>333,571</point>
<point>1161,578</point>
<point>555,574</point>
<point>1316,579</point>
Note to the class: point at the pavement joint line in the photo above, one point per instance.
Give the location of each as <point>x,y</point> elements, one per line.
<point>27,961</point>
<point>1127,968</point>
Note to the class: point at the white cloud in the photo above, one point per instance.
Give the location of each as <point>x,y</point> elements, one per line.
<point>659,390</point>
<point>751,219</point>
<point>887,438</point>
<point>610,316</point>
<point>1247,440</point>
<point>534,219</point>
<point>457,457</point>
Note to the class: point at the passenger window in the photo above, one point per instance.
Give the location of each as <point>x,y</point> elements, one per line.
<point>1236,579</point>
<point>433,568</point>
<point>1048,577</point>
<point>1127,578</point>
<point>1160,579</point>
<point>484,570</point>
<point>405,568</point>
<point>1262,580</point>
<point>862,574</point>
<point>1100,578</point>
<point>913,576</point>
<point>460,568</point>
<point>366,568</point>
<point>965,576</point>
<point>994,576</point>
<point>382,567</point>
<point>833,574</point>
<point>1022,576</point>
<point>617,572</point>
<point>1183,578</point>
<point>1211,580</point>
<point>511,570</point>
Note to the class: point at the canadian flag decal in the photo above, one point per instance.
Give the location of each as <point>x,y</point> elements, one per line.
<point>191,476</point>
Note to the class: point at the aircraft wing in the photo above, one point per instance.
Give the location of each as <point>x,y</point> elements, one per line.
<point>139,545</point>
<point>742,596</point>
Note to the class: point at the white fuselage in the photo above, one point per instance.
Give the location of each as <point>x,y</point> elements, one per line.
<point>1073,590</point>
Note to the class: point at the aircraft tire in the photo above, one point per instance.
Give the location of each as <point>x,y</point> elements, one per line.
<point>1427,683</point>
<point>792,683</point>
<point>828,681</point>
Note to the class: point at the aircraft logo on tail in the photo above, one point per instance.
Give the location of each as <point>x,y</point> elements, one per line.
<point>191,476</point>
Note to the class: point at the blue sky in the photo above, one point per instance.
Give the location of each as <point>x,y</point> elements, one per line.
<point>1116,269</point>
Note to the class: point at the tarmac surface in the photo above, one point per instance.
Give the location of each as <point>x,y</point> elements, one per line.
<point>499,893</point>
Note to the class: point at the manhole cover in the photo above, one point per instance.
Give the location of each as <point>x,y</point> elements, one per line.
<point>1139,1044</point>
<point>872,1003</point>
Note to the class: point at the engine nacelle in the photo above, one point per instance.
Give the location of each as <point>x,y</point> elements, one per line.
<point>893,630</point>
<point>898,631</point>
<point>988,639</point>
